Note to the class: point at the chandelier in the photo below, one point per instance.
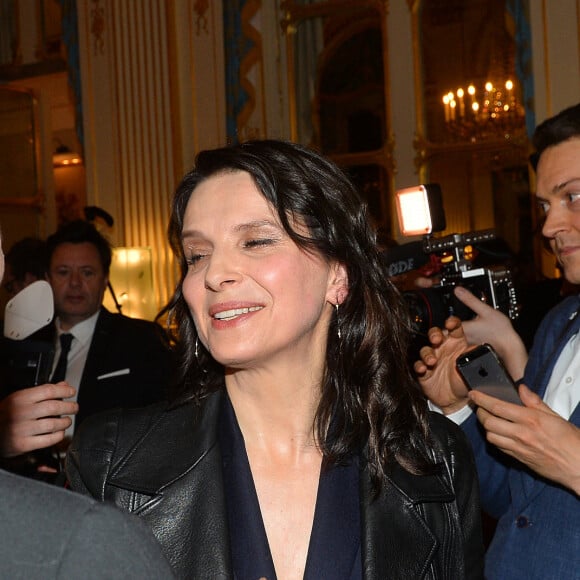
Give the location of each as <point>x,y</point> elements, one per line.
<point>492,112</point>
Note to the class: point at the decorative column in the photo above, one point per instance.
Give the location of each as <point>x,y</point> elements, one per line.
<point>151,98</point>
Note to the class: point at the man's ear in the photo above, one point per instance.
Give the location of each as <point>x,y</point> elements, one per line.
<point>338,286</point>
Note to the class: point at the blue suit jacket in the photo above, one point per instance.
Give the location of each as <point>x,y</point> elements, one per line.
<point>538,532</point>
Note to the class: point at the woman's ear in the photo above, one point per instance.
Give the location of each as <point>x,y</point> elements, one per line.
<point>338,285</point>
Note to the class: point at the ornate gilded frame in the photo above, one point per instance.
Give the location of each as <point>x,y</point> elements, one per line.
<point>35,199</point>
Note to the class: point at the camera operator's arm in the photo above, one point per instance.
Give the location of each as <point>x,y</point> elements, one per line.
<point>533,434</point>
<point>35,418</point>
<point>438,378</point>
<point>494,327</point>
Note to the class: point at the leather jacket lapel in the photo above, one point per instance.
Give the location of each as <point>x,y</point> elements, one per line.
<point>396,539</point>
<point>184,448</point>
<point>182,499</point>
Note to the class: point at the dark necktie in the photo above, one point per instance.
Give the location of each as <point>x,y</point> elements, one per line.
<point>60,370</point>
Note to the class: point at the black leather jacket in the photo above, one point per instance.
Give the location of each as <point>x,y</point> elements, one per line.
<point>165,466</point>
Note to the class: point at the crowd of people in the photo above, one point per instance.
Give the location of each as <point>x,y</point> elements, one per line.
<point>286,433</point>
<point>49,532</point>
<point>108,359</point>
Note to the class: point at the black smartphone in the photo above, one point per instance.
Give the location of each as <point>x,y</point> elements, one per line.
<point>24,363</point>
<point>482,370</point>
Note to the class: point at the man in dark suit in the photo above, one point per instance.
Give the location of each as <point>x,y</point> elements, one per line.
<point>105,360</point>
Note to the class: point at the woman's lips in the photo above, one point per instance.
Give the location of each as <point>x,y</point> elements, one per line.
<point>224,315</point>
<point>235,312</point>
<point>565,251</point>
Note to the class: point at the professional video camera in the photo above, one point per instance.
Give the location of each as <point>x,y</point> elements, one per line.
<point>453,258</point>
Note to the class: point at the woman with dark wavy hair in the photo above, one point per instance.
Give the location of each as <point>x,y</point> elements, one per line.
<point>298,444</point>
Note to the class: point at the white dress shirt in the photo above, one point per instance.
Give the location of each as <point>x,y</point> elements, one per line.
<point>563,391</point>
<point>77,357</point>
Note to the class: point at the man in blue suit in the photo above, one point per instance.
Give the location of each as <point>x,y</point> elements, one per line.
<point>528,457</point>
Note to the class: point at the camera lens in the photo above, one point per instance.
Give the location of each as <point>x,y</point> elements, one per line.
<point>428,307</point>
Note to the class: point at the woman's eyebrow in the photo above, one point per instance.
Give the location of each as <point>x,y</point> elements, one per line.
<point>256,225</point>
<point>187,234</point>
<point>246,226</point>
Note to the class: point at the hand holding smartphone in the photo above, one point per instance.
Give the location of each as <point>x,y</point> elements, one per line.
<point>481,369</point>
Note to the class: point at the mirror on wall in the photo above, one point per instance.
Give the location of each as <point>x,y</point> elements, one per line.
<point>472,138</point>
<point>21,187</point>
<point>21,195</point>
<point>18,162</point>
<point>337,91</point>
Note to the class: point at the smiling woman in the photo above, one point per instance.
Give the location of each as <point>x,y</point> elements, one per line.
<point>247,280</point>
<point>297,431</point>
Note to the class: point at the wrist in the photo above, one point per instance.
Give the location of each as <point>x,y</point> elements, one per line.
<point>458,416</point>
<point>451,408</point>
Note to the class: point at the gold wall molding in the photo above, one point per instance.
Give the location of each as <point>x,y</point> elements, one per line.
<point>132,126</point>
<point>200,8</point>
<point>97,16</point>
<point>151,101</point>
<point>419,141</point>
<point>251,61</point>
<point>546,52</point>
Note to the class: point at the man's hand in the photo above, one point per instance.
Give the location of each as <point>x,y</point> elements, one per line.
<point>35,418</point>
<point>534,435</point>
<point>436,371</point>
<point>494,327</point>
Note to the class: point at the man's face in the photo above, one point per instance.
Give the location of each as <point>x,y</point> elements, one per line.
<point>558,193</point>
<point>78,282</point>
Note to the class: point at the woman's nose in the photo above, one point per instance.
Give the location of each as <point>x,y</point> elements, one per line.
<point>222,270</point>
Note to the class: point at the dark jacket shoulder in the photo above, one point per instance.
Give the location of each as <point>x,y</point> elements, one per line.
<point>52,533</point>
<point>172,438</point>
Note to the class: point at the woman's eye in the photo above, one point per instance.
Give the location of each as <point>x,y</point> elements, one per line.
<point>193,259</point>
<point>258,242</point>
<point>544,207</point>
<point>573,197</point>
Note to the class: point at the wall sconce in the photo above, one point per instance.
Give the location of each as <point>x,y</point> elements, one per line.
<point>131,280</point>
<point>64,157</point>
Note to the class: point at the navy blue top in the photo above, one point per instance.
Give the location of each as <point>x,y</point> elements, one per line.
<point>334,549</point>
